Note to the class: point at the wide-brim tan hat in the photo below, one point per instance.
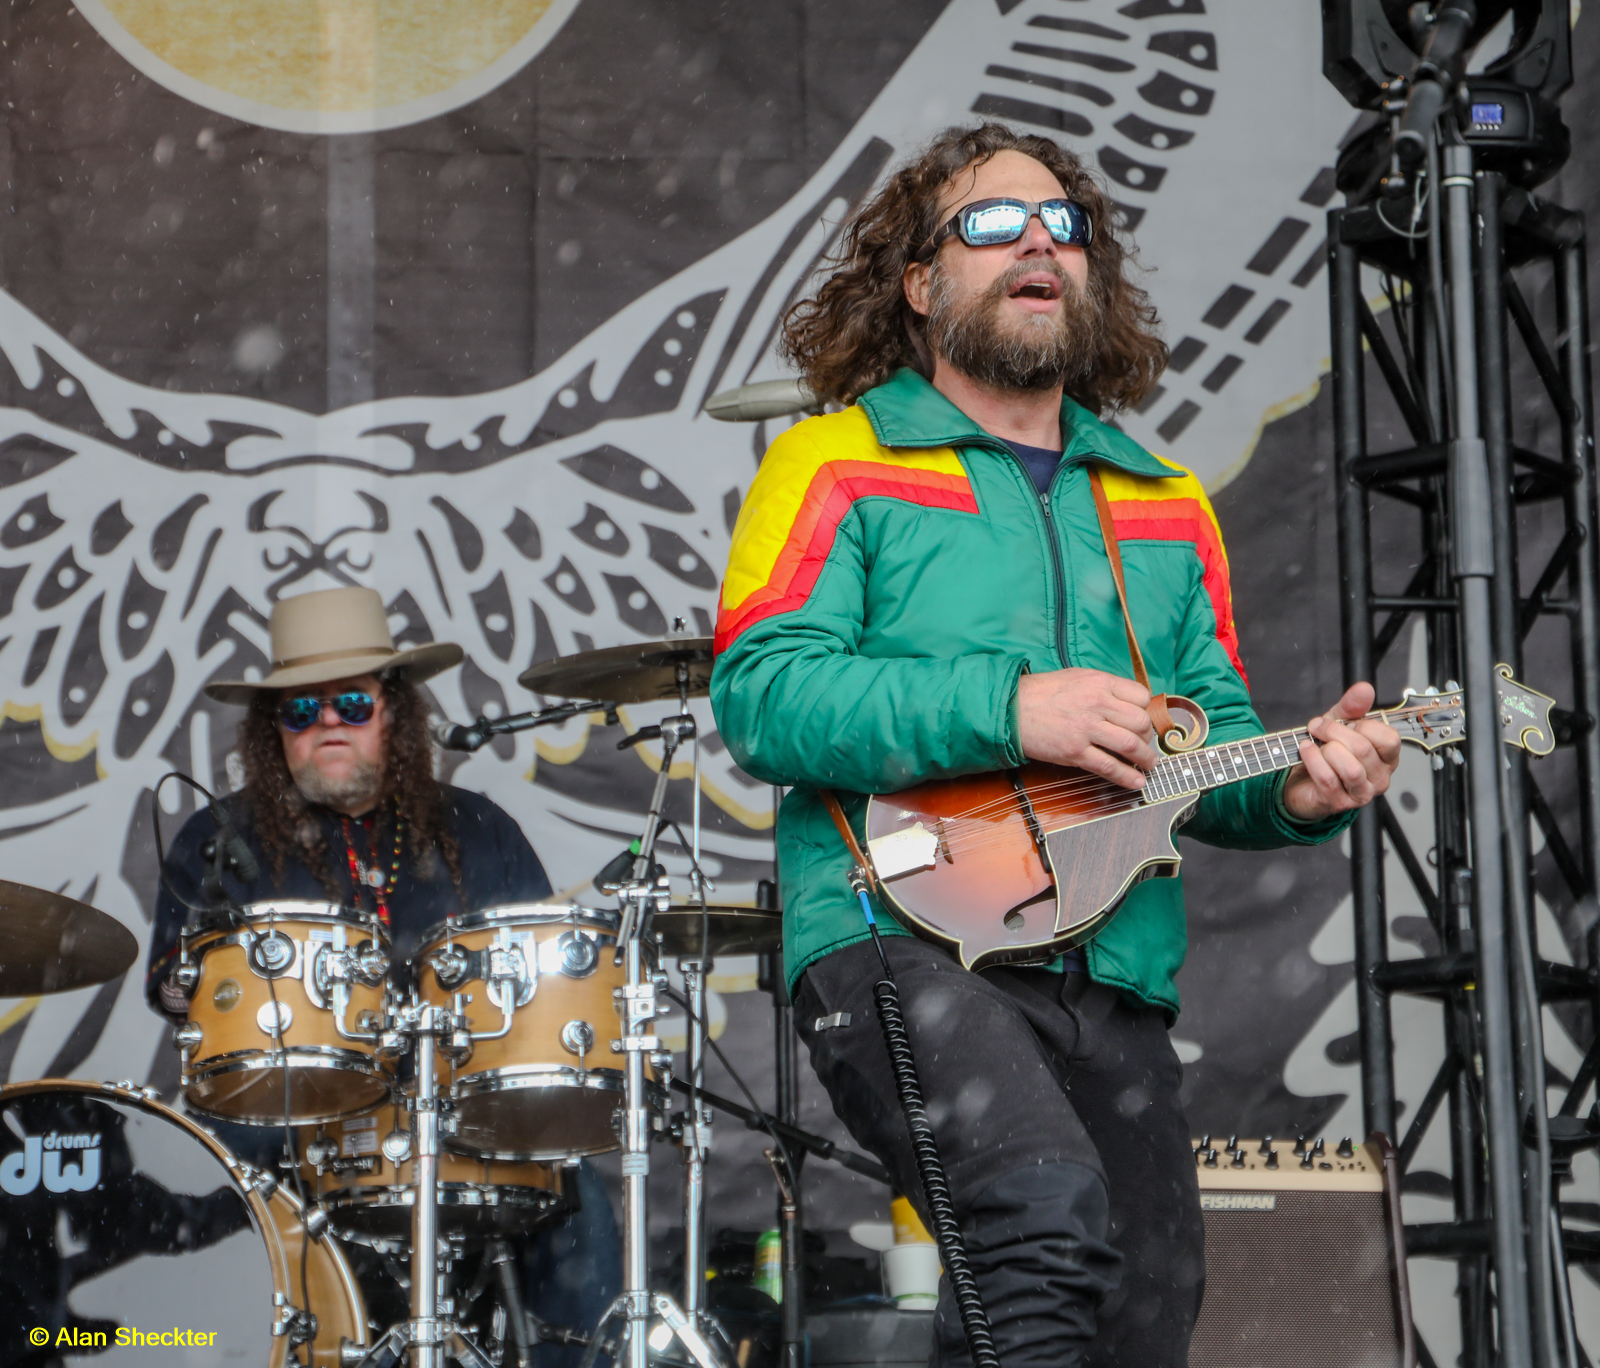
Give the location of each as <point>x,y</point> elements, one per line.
<point>333,634</point>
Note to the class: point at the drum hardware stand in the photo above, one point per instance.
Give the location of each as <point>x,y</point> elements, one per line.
<point>694,1133</point>
<point>786,1089</point>
<point>639,898</point>
<point>432,1331</point>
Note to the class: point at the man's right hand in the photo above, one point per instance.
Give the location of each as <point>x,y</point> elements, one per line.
<point>1088,720</point>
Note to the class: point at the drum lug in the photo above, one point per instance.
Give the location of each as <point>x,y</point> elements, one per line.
<point>316,1222</point>
<point>320,1153</point>
<point>577,954</point>
<point>299,1327</point>
<point>396,1146</point>
<point>187,1037</point>
<point>578,1037</point>
<point>187,976</point>
<point>263,1181</point>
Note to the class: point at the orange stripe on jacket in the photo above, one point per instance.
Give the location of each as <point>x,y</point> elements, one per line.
<point>1178,510</point>
<point>811,477</point>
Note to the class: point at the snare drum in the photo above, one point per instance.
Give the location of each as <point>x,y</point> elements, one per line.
<point>121,1215</point>
<point>540,977</point>
<point>368,1197</point>
<point>289,1000</point>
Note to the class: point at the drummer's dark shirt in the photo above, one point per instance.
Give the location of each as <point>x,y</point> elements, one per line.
<point>498,866</point>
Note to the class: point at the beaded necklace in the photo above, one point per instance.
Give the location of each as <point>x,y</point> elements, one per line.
<point>374,878</point>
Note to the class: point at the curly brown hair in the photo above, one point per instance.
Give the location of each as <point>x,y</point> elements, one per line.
<point>282,815</point>
<point>858,329</point>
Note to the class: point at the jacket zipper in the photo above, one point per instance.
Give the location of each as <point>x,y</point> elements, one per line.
<point>1055,550</point>
<point>1061,572</point>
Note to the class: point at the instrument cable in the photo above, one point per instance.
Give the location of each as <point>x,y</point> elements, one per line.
<point>930,1168</point>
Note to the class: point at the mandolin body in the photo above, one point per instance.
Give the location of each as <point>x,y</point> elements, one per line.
<point>1023,864</point>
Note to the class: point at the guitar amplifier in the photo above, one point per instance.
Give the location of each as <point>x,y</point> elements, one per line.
<point>1301,1258</point>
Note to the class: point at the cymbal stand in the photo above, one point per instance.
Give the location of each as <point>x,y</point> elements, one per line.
<point>695,1138</point>
<point>639,898</point>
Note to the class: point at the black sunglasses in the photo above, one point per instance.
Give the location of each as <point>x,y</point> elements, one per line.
<point>989,222</point>
<point>354,707</point>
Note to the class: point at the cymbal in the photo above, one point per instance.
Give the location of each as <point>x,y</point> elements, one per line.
<point>50,943</point>
<point>638,673</point>
<point>734,931</point>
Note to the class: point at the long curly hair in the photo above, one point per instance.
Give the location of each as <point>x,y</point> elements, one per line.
<point>858,329</point>
<point>282,816</point>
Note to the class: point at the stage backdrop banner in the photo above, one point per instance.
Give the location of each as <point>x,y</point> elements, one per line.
<point>431,297</point>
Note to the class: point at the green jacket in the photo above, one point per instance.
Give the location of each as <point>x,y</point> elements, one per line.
<point>892,574</point>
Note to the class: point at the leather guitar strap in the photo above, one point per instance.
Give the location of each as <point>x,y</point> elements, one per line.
<point>1160,718</point>
<point>843,823</point>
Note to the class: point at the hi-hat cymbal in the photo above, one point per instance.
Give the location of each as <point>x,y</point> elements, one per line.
<point>637,673</point>
<point>50,943</point>
<point>733,931</point>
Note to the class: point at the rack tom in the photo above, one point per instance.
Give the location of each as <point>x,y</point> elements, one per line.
<point>540,978</point>
<point>284,1014</point>
<point>369,1196</point>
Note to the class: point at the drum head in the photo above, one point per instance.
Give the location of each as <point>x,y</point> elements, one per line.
<point>114,1218</point>
<point>538,1114</point>
<point>469,1213</point>
<point>251,1092</point>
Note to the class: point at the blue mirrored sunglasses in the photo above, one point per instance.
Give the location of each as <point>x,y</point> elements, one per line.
<point>990,222</point>
<point>353,707</point>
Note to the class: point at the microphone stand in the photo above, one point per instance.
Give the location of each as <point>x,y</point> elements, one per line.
<point>485,729</point>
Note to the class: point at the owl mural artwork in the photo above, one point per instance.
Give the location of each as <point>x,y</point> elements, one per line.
<point>146,531</point>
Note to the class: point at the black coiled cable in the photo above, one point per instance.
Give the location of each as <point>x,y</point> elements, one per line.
<point>935,1186</point>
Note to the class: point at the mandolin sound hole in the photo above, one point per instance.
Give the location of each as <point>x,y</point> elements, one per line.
<point>1014,921</point>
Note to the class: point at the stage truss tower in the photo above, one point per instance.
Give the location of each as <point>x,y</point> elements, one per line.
<point>1443,229</point>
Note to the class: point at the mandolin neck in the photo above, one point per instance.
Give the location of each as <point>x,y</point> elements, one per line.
<point>1227,763</point>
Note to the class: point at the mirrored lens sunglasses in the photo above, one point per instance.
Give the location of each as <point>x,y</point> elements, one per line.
<point>990,222</point>
<point>353,707</point>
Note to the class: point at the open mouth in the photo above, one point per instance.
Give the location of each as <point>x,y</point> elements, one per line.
<point>1038,287</point>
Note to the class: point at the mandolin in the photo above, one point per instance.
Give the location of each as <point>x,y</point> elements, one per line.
<point>1022,864</point>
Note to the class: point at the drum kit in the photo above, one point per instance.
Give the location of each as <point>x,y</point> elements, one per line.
<point>430,1110</point>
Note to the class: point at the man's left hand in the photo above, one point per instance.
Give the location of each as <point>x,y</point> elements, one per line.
<point>1348,763</point>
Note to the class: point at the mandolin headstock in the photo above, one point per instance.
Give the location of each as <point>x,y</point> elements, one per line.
<point>1434,720</point>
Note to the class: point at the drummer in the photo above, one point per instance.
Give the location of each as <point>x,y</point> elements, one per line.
<point>340,804</point>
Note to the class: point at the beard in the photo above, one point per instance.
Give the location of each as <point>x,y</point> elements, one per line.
<point>357,788</point>
<point>1031,352</point>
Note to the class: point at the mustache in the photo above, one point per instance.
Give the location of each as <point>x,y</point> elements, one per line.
<point>1007,281</point>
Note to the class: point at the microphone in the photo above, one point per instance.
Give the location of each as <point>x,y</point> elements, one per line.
<point>764,399</point>
<point>450,736</point>
<point>234,850</point>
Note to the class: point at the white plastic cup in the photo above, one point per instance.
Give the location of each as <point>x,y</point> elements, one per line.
<point>911,1274</point>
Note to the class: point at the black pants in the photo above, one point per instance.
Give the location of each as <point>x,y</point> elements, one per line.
<point>1055,1107</point>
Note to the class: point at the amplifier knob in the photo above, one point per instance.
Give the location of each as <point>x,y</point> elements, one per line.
<point>1299,1145</point>
<point>1266,1145</point>
<point>1347,1149</point>
<point>1272,1160</point>
<point>1307,1159</point>
<point>1211,1158</point>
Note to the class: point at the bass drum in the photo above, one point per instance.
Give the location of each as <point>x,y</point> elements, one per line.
<point>122,1220</point>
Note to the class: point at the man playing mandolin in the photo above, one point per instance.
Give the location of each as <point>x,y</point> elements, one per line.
<point>921,587</point>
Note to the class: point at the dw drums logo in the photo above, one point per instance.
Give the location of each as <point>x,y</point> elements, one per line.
<point>44,1156</point>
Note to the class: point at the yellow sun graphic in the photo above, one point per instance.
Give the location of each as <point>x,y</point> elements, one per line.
<point>328,66</point>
